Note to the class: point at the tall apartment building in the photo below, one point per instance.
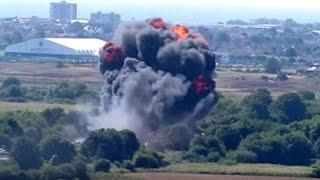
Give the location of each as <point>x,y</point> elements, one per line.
<point>63,11</point>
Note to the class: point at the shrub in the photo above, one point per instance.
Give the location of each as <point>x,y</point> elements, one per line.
<point>307,94</point>
<point>128,165</point>
<point>145,160</point>
<point>10,81</point>
<point>26,153</point>
<point>56,146</point>
<point>12,91</point>
<point>316,170</point>
<point>242,156</point>
<point>227,162</point>
<point>272,66</point>
<point>282,76</point>
<point>102,165</point>
<point>288,107</point>
<point>213,157</point>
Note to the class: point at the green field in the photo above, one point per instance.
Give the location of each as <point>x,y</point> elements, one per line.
<point>33,106</point>
<point>240,169</point>
<point>1,53</point>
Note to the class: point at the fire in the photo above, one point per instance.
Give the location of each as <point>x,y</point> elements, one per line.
<point>180,31</point>
<point>201,85</point>
<point>198,37</point>
<point>158,23</point>
<point>111,52</point>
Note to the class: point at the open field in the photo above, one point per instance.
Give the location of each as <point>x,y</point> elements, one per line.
<point>178,176</point>
<point>233,84</point>
<point>239,169</point>
<point>33,106</point>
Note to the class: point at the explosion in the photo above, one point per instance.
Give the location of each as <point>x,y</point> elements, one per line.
<point>180,31</point>
<point>156,76</point>
<point>158,23</point>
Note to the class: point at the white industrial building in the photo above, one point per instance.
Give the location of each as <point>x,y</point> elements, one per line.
<point>57,47</point>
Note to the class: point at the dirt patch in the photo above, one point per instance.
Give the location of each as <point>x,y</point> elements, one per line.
<point>178,176</point>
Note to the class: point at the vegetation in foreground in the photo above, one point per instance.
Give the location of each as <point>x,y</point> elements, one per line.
<point>260,130</point>
<point>239,169</point>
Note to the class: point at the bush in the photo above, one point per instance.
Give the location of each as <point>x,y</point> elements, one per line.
<point>12,91</point>
<point>110,144</point>
<point>316,170</point>
<point>128,165</point>
<point>26,153</point>
<point>307,94</point>
<point>242,156</point>
<point>145,160</point>
<point>282,76</point>
<point>56,146</point>
<point>273,66</point>
<point>213,157</point>
<point>10,81</point>
<point>288,107</point>
<point>102,165</point>
<point>227,162</point>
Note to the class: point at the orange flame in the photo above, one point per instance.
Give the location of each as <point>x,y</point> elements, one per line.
<point>158,23</point>
<point>180,31</point>
<point>110,52</point>
<point>201,84</point>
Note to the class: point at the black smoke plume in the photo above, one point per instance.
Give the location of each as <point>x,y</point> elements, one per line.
<point>157,75</point>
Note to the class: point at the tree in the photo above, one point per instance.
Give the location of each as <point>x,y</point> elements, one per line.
<point>130,144</point>
<point>12,91</point>
<point>110,144</point>
<point>268,147</point>
<point>178,137</point>
<point>26,153</point>
<point>282,76</point>
<point>298,149</point>
<point>306,94</point>
<point>272,66</point>
<point>102,165</point>
<point>288,107</point>
<point>52,145</point>
<point>257,103</point>
<point>52,115</point>
<point>145,160</point>
<point>10,81</point>
<point>290,52</point>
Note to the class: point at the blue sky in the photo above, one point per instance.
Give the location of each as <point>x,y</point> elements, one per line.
<point>185,11</point>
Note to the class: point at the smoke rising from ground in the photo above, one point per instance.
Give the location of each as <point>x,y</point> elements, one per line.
<point>155,75</point>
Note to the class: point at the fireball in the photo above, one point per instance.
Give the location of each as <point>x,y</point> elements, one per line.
<point>111,52</point>
<point>180,31</point>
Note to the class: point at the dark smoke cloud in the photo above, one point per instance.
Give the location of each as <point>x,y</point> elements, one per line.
<point>157,78</point>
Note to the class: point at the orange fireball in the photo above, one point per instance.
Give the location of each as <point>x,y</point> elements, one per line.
<point>180,31</point>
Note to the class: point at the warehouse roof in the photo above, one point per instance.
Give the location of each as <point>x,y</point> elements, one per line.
<point>58,46</point>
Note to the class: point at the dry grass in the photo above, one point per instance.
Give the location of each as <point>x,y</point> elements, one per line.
<point>240,169</point>
<point>33,106</point>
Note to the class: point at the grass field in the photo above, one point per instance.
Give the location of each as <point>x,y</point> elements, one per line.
<point>240,169</point>
<point>233,84</point>
<point>33,106</point>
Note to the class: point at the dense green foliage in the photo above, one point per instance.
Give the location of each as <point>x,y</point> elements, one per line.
<point>260,129</point>
<point>110,144</point>
<point>64,92</point>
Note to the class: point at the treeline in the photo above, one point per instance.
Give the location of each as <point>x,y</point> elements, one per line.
<point>65,92</point>
<point>45,146</point>
<point>260,129</point>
